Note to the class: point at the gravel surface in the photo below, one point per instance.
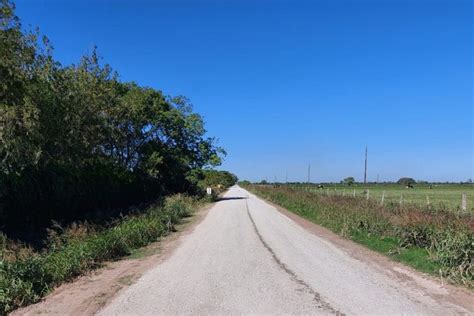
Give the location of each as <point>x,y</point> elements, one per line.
<point>246,257</point>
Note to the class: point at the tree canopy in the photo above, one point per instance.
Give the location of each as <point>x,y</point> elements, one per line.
<point>406,181</point>
<point>213,178</point>
<point>76,138</point>
<point>348,181</point>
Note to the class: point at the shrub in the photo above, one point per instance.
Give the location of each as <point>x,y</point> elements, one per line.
<point>79,248</point>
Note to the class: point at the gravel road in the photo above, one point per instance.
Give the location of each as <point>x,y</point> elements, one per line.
<point>247,257</point>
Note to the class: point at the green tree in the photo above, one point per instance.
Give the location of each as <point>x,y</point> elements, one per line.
<point>76,141</point>
<point>212,178</point>
<point>23,65</point>
<point>406,181</point>
<point>349,181</point>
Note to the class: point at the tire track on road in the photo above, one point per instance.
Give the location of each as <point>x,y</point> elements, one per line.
<point>317,297</point>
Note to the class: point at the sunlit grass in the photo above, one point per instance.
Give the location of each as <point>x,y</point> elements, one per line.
<point>439,196</point>
<point>436,241</point>
<point>26,276</point>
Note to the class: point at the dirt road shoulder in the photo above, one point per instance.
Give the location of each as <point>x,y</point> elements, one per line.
<point>89,293</point>
<point>435,287</point>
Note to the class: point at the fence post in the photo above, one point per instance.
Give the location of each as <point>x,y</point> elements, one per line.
<point>464,202</point>
<point>427,200</point>
<point>368,194</point>
<point>383,197</point>
<point>401,198</point>
<point>354,193</point>
<point>343,192</point>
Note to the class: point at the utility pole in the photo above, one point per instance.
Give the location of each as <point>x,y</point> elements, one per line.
<point>377,178</point>
<point>286,177</point>
<point>365,170</point>
<point>309,173</point>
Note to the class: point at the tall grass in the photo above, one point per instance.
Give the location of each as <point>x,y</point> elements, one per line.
<point>26,276</point>
<point>435,241</point>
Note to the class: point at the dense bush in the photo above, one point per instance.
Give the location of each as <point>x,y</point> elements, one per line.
<point>217,178</point>
<point>435,241</point>
<point>76,142</point>
<point>26,278</point>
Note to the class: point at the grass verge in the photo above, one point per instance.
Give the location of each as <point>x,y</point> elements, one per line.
<point>436,242</point>
<point>26,276</point>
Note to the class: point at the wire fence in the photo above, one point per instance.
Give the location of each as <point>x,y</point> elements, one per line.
<point>455,198</point>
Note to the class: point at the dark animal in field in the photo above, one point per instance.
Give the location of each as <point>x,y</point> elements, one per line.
<point>409,186</point>
<point>320,186</point>
<point>431,187</point>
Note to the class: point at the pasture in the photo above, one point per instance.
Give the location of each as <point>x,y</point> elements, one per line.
<point>439,196</point>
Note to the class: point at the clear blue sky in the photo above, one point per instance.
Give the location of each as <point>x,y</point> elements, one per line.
<point>286,83</point>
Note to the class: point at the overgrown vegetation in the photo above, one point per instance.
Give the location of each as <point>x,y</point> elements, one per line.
<point>82,154</point>
<point>217,179</point>
<point>434,241</point>
<point>26,276</point>
<point>77,143</point>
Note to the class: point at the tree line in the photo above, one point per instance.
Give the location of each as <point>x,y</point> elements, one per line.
<point>76,142</point>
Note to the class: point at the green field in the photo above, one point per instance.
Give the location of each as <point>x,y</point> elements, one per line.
<point>440,196</point>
